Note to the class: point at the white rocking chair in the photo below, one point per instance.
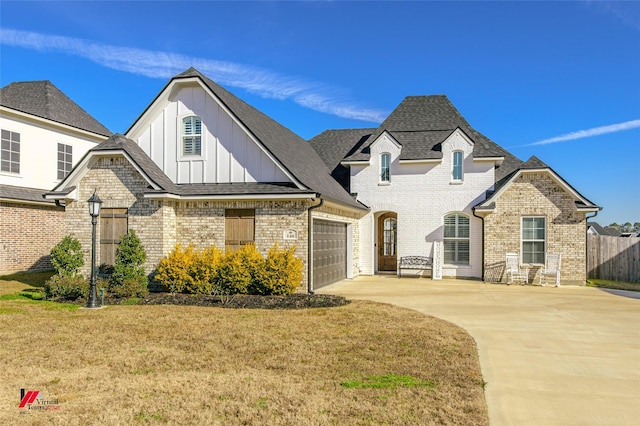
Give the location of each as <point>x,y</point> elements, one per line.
<point>515,272</point>
<point>551,269</point>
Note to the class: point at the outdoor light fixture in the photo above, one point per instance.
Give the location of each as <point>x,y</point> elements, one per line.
<point>94,211</point>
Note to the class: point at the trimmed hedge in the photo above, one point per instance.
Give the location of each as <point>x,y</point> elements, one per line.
<point>209,271</point>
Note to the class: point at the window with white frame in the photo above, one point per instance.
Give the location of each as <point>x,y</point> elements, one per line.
<point>456,239</point>
<point>533,240</point>
<point>10,152</point>
<point>65,154</point>
<point>191,135</point>
<point>385,167</point>
<point>456,171</point>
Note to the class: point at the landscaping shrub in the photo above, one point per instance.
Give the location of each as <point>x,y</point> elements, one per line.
<point>209,271</point>
<point>238,270</point>
<point>67,256</point>
<point>204,271</point>
<point>66,287</point>
<point>281,273</point>
<point>131,287</point>
<point>128,271</point>
<point>174,271</point>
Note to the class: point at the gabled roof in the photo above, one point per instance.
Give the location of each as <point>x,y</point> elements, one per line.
<point>608,230</point>
<point>533,164</point>
<point>43,99</point>
<point>294,153</point>
<point>420,124</point>
<point>159,183</point>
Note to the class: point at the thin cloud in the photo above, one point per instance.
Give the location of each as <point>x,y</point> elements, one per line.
<point>156,64</point>
<point>595,131</point>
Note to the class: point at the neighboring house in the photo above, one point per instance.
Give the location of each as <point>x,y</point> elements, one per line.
<point>44,134</point>
<point>201,166</point>
<point>428,176</point>
<point>594,228</point>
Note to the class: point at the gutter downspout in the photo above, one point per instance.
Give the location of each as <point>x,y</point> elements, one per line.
<point>586,245</point>
<point>310,244</point>
<point>482,219</point>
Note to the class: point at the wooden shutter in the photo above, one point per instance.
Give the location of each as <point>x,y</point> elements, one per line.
<point>239,228</point>
<point>113,225</point>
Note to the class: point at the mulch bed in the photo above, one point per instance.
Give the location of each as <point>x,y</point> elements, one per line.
<point>239,301</point>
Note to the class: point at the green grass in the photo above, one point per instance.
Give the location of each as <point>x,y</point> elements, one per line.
<point>30,297</point>
<point>616,285</point>
<point>387,381</point>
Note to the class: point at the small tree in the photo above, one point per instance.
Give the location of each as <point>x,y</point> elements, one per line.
<point>129,278</point>
<point>67,257</point>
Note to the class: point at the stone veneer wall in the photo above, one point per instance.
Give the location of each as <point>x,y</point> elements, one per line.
<point>536,194</point>
<point>27,234</point>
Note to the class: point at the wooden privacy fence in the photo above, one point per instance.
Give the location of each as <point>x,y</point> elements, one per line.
<point>613,258</point>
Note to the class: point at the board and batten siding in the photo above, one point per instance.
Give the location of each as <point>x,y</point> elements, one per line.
<point>229,154</point>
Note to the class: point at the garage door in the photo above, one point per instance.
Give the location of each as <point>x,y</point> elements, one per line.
<point>329,252</point>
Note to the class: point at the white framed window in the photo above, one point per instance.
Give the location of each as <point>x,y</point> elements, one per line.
<point>10,152</point>
<point>385,167</point>
<point>456,170</point>
<point>533,239</point>
<point>65,160</point>
<point>456,239</point>
<point>192,135</point>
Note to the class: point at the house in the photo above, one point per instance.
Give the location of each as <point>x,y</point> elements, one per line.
<point>594,228</point>
<point>44,134</point>
<point>201,166</point>
<point>429,177</point>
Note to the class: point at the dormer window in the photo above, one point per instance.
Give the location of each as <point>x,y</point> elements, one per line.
<point>191,135</point>
<point>385,170</point>
<point>456,172</point>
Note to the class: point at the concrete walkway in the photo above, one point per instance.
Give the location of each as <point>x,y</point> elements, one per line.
<point>550,356</point>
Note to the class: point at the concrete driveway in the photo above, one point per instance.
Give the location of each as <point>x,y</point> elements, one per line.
<point>550,356</point>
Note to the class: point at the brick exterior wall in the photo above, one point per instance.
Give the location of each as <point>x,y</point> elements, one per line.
<point>27,234</point>
<point>161,225</point>
<point>536,194</point>
<point>421,194</point>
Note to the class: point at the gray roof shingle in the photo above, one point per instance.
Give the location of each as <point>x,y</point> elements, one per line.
<point>43,99</point>
<point>420,124</point>
<point>19,193</point>
<point>533,163</point>
<point>120,143</point>
<point>294,153</point>
<point>333,146</point>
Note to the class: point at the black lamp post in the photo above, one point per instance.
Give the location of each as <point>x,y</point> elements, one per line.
<point>94,211</point>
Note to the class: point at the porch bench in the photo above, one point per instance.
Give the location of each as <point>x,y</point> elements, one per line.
<point>422,263</point>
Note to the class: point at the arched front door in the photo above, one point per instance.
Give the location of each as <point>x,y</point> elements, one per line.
<point>387,242</point>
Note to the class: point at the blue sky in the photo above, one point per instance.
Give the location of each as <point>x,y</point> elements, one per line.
<point>559,80</point>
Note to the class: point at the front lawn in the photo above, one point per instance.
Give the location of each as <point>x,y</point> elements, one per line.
<point>362,363</point>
